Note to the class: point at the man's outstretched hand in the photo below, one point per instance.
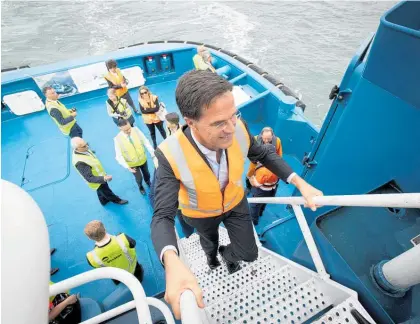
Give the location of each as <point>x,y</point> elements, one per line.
<point>307,191</point>
<point>178,279</point>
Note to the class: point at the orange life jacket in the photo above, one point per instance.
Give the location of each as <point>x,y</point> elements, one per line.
<point>116,79</point>
<point>199,194</point>
<point>265,177</point>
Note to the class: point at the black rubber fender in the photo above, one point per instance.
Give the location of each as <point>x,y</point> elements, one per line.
<point>176,41</point>
<point>243,60</point>
<point>212,47</point>
<point>273,80</point>
<point>257,69</point>
<point>137,44</point>
<point>228,53</point>
<point>288,92</point>
<point>155,42</point>
<point>194,43</point>
<point>301,105</point>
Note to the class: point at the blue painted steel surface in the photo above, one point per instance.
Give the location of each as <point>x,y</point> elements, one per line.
<point>365,142</point>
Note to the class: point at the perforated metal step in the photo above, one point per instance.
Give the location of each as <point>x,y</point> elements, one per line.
<point>256,295</point>
<point>296,306</point>
<point>341,314</point>
<point>192,249</point>
<point>272,289</point>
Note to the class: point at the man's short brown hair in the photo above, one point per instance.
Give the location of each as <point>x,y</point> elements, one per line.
<point>95,230</point>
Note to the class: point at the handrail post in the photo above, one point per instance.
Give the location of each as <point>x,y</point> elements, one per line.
<point>307,235</point>
<point>190,312</point>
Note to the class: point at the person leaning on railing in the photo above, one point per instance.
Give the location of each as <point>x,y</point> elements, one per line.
<point>201,168</point>
<point>202,60</point>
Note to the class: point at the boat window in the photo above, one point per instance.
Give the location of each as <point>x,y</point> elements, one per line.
<point>25,102</point>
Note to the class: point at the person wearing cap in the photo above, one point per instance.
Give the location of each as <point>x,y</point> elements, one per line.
<point>117,81</point>
<point>202,60</point>
<point>112,251</point>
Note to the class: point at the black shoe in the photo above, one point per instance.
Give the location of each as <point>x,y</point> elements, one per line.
<point>52,251</point>
<point>142,191</point>
<point>212,262</point>
<point>103,203</point>
<point>53,271</point>
<point>122,202</point>
<point>231,266</point>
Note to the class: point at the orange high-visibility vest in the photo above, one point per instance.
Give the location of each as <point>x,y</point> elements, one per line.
<point>199,194</point>
<point>265,177</point>
<point>117,79</point>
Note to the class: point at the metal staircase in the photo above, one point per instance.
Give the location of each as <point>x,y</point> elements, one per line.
<point>272,289</point>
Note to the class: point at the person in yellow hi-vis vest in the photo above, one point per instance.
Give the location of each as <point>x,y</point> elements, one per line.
<point>117,81</point>
<point>63,117</point>
<point>202,60</point>
<point>92,171</point>
<point>112,251</point>
<point>130,144</point>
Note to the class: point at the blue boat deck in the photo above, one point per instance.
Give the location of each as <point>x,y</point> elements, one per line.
<point>38,156</point>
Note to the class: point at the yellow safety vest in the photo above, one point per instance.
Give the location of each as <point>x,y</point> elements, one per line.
<point>117,253</point>
<point>91,160</point>
<point>199,194</point>
<point>121,109</point>
<point>52,297</point>
<point>65,129</point>
<point>117,79</point>
<point>132,151</point>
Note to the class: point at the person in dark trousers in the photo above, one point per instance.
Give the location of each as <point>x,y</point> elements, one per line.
<point>116,80</point>
<point>118,108</point>
<point>92,171</point>
<point>264,184</point>
<point>149,106</point>
<point>112,251</point>
<point>130,152</point>
<point>200,170</point>
<point>64,118</point>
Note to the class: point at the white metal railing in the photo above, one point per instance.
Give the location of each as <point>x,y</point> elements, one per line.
<point>403,200</point>
<point>190,312</point>
<point>140,301</point>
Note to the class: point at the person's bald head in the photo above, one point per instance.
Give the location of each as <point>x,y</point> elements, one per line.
<point>267,135</point>
<point>79,144</point>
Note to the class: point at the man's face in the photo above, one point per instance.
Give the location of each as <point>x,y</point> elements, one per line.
<point>113,70</point>
<point>216,126</point>
<point>51,94</point>
<point>267,137</point>
<point>126,129</point>
<point>172,127</point>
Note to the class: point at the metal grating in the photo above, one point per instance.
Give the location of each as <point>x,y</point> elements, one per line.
<point>296,306</point>
<point>192,248</point>
<point>207,277</point>
<point>252,297</point>
<point>341,313</point>
<point>231,283</point>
